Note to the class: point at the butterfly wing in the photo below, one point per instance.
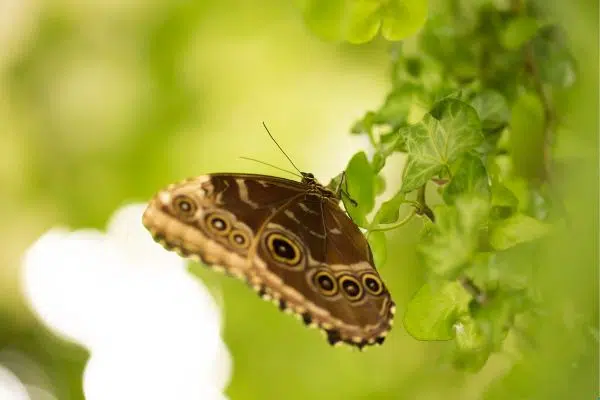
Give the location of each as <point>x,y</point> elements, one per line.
<point>291,244</point>
<point>214,218</point>
<point>317,263</point>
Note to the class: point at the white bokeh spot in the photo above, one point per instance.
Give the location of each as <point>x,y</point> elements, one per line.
<point>11,387</point>
<point>152,329</point>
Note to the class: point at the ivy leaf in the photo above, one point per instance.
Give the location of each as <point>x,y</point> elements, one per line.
<point>512,268</point>
<point>519,31</point>
<point>378,243</point>
<point>497,315</point>
<point>398,19</point>
<point>388,212</point>
<point>392,142</point>
<point>504,202</point>
<point>551,52</point>
<point>358,21</point>
<point>388,144</point>
<point>470,178</point>
<point>517,229</point>
<point>450,244</point>
<point>472,347</point>
<point>492,109</point>
<point>443,39</point>
<point>487,326</point>
<point>378,161</point>
<point>365,124</point>
<point>417,173</point>
<point>362,20</point>
<point>402,18</point>
<point>419,75</point>
<point>449,130</point>
<point>360,179</point>
<point>397,106</point>
<point>433,311</point>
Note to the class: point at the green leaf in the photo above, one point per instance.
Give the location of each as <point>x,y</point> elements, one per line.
<point>512,268</point>
<point>402,18</point>
<point>444,40</point>
<point>449,130</point>
<point>388,212</point>
<point>492,109</point>
<point>551,53</point>
<point>433,311</point>
<point>378,243</point>
<point>380,185</point>
<point>521,190</point>
<point>417,173</point>
<point>358,21</point>
<point>497,315</point>
<point>360,180</point>
<point>500,167</point>
<point>365,124</point>
<point>519,31</point>
<point>450,244</point>
<point>470,178</point>
<point>378,161</point>
<point>469,336</point>
<point>362,20</point>
<point>527,136</point>
<point>398,19</point>
<point>397,105</point>
<point>517,229</point>
<point>472,347</point>
<point>504,202</point>
<point>390,143</point>
<point>419,75</point>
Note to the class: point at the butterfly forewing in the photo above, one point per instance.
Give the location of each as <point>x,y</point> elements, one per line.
<point>290,240</point>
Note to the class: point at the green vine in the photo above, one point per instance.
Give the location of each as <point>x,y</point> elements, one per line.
<point>470,108</point>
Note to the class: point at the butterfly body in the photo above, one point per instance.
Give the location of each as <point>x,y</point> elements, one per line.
<point>289,240</point>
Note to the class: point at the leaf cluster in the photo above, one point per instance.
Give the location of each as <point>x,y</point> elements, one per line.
<point>470,108</point>
<point>358,21</point>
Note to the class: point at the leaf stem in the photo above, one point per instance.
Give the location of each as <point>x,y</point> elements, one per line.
<point>549,117</point>
<point>372,138</point>
<point>449,171</point>
<point>479,295</point>
<point>423,208</point>
<point>413,203</point>
<point>397,224</point>
<point>550,123</point>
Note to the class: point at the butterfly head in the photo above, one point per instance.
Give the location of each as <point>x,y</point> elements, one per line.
<point>308,178</point>
<point>315,187</point>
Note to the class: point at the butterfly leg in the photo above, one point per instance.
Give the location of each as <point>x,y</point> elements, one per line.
<point>344,192</point>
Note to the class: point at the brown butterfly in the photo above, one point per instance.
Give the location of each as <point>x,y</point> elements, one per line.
<point>289,240</point>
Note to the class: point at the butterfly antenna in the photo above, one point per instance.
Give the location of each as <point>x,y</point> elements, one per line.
<point>271,165</point>
<point>284,153</point>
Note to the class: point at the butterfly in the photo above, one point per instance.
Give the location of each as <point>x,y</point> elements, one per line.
<point>289,240</point>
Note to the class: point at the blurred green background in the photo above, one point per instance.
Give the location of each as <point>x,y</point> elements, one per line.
<point>102,103</point>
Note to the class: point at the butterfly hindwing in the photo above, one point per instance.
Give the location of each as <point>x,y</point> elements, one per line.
<point>319,262</point>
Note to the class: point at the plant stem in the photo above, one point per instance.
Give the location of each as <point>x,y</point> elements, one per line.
<point>479,295</point>
<point>397,224</point>
<point>423,208</point>
<point>549,117</point>
<point>372,138</point>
